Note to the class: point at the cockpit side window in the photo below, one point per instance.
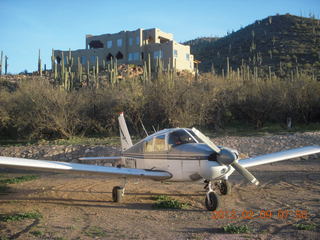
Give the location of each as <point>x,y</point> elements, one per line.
<point>160,143</point>
<point>148,145</point>
<point>179,137</point>
<point>155,144</point>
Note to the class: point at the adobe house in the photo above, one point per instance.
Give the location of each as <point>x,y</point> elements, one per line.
<point>132,47</point>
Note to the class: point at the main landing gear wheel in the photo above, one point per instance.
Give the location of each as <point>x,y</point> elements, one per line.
<point>212,201</point>
<point>225,187</point>
<point>117,193</point>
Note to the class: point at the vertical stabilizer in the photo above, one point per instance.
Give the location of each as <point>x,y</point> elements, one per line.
<point>124,134</point>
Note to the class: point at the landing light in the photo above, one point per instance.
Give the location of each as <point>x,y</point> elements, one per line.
<point>223,170</point>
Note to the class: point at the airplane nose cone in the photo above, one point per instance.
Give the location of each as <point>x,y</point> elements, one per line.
<point>226,157</point>
<point>213,170</point>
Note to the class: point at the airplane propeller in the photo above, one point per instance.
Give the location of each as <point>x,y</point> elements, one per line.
<point>226,157</point>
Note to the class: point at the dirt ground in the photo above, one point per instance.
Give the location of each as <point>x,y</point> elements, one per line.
<point>81,207</point>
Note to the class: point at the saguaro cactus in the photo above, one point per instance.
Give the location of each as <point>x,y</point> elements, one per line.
<point>70,60</point>
<point>54,68</point>
<point>39,64</point>
<point>228,68</point>
<point>52,59</point>
<point>62,67</point>
<point>149,67</point>
<point>79,72</point>
<point>103,64</point>
<point>97,65</point>
<point>5,65</point>
<point>145,72</point>
<point>1,58</point>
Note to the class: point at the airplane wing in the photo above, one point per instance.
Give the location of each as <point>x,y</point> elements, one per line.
<point>54,166</point>
<point>280,156</point>
<point>100,158</point>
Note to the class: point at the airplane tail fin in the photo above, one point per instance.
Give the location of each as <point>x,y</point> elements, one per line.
<point>124,133</point>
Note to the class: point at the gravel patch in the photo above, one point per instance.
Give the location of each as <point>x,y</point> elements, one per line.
<point>246,145</point>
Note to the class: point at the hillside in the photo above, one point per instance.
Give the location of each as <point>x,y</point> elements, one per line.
<point>200,44</point>
<point>284,42</point>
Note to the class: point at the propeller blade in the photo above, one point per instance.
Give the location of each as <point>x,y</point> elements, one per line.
<point>206,140</point>
<point>245,173</point>
<point>226,157</point>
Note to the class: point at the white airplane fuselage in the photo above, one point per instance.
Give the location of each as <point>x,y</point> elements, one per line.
<point>188,162</point>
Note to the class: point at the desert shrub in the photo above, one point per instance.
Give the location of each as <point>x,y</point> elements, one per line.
<point>307,226</point>
<point>298,99</point>
<point>37,109</point>
<point>20,216</point>
<point>236,229</point>
<point>255,101</point>
<point>166,202</point>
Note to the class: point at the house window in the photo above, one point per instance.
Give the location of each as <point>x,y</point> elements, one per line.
<point>119,42</point>
<point>135,56</point>
<point>95,44</point>
<point>175,53</point>
<point>109,44</point>
<point>92,59</point>
<point>119,55</point>
<point>130,41</point>
<point>83,59</point>
<point>65,60</point>
<point>188,57</point>
<point>138,40</point>
<point>157,54</point>
<point>109,57</point>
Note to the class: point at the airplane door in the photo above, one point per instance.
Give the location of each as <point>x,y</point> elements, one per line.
<point>180,156</point>
<point>174,161</point>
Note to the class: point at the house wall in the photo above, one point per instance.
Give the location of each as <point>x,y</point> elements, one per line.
<point>182,57</point>
<point>166,53</point>
<point>135,47</point>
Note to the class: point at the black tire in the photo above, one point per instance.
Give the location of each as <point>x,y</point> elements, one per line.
<point>225,188</point>
<point>117,194</point>
<point>214,201</point>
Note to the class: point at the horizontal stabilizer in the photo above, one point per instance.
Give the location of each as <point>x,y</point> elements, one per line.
<point>53,166</point>
<point>280,156</point>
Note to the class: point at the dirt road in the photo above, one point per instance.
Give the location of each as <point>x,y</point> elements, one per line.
<point>81,207</point>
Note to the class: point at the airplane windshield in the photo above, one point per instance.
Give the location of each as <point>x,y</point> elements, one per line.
<point>180,137</point>
<point>195,136</point>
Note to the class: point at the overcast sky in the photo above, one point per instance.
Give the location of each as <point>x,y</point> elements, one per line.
<point>29,25</point>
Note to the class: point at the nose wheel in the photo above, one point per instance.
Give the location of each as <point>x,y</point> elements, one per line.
<point>212,200</point>
<point>224,187</point>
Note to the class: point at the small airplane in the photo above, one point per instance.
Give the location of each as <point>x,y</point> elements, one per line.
<point>174,154</point>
